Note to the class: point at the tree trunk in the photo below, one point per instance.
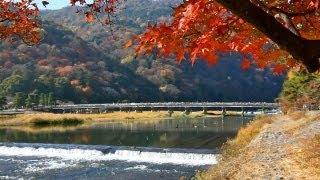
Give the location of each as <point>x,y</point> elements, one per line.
<point>306,51</point>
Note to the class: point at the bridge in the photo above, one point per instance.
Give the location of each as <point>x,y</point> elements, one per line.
<point>169,106</point>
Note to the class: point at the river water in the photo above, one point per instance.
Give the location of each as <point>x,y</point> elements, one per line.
<point>163,149</point>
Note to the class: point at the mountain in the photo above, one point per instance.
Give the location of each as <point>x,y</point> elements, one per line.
<point>71,68</point>
<point>85,62</point>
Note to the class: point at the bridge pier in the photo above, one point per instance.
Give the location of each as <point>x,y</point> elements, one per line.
<point>187,111</point>
<point>81,111</point>
<point>263,109</point>
<point>170,112</point>
<point>137,110</point>
<point>108,110</point>
<point>223,111</point>
<point>204,111</point>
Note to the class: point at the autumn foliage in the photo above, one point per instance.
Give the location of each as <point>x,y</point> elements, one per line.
<point>200,29</point>
<point>74,54</point>
<point>18,21</point>
<point>205,29</point>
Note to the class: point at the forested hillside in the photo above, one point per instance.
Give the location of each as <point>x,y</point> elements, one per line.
<point>84,62</point>
<point>71,69</point>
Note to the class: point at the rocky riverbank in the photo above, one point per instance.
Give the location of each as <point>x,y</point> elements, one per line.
<point>278,147</point>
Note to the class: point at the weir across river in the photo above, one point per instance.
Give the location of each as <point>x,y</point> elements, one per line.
<point>163,106</point>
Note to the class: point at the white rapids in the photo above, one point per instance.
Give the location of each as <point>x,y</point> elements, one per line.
<point>130,155</point>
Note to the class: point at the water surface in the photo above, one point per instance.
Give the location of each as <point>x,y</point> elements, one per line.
<point>166,149</point>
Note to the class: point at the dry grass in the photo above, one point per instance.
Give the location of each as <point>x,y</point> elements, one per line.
<point>42,118</point>
<point>309,158</point>
<point>296,115</point>
<point>178,115</point>
<point>233,148</point>
<point>198,114</point>
<point>62,121</point>
<point>47,129</point>
<point>301,119</point>
<point>308,155</point>
<point>243,157</point>
<point>50,118</point>
<point>48,122</point>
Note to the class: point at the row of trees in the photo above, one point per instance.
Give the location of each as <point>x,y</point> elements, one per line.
<point>34,99</point>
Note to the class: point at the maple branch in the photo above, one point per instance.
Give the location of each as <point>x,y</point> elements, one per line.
<point>306,51</point>
<point>288,23</point>
<point>278,13</point>
<point>293,14</point>
<point>23,40</point>
<point>3,20</point>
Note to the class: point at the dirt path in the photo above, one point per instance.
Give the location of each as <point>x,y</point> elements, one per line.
<point>288,148</point>
<point>274,153</point>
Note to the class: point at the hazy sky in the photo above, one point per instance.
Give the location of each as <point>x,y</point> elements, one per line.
<point>53,4</point>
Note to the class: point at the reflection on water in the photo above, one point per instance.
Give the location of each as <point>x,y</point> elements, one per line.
<point>168,133</point>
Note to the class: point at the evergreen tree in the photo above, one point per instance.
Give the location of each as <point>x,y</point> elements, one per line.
<point>50,99</point>
<point>29,101</point>
<point>19,100</point>
<point>35,98</point>
<point>3,101</point>
<point>45,99</point>
<point>41,100</point>
<point>32,99</point>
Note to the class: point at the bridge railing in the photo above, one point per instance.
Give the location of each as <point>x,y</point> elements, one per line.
<point>171,104</point>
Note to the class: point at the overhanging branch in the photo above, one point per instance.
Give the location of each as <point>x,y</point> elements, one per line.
<point>306,51</point>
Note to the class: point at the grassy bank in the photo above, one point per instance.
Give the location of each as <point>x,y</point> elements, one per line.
<point>65,119</point>
<point>55,119</point>
<point>245,156</point>
<point>61,121</point>
<point>233,147</point>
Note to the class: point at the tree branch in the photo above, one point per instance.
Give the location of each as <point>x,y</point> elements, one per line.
<point>293,14</point>
<point>306,51</point>
<point>3,20</point>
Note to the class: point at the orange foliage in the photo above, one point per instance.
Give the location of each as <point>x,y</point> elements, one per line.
<point>204,28</point>
<point>200,29</point>
<point>64,71</point>
<point>86,90</point>
<point>43,62</point>
<point>74,82</point>
<point>17,21</point>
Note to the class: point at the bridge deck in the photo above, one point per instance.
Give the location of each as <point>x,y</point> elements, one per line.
<point>170,105</point>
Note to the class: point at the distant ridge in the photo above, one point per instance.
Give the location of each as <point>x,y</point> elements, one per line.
<point>81,62</point>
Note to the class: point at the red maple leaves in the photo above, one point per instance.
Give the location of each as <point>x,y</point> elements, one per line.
<point>200,29</point>
<point>17,21</point>
<point>204,28</point>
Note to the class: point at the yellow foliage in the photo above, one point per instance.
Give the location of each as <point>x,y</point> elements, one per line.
<point>290,74</point>
<point>127,59</point>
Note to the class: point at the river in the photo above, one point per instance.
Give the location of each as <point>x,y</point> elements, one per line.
<point>164,149</point>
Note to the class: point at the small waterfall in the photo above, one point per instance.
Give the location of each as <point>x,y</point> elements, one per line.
<point>107,153</point>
